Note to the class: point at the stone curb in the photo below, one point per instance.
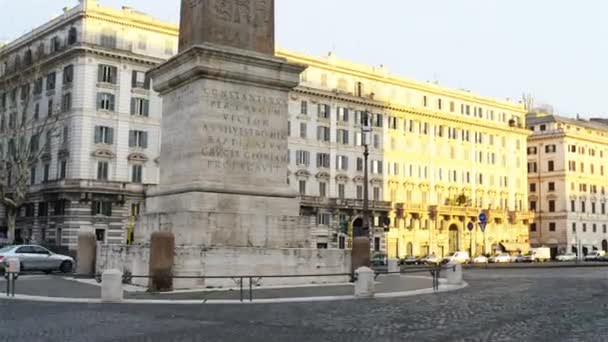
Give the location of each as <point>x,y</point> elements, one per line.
<point>442,288</point>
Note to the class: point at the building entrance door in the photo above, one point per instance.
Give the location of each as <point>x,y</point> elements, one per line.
<point>410,249</point>
<point>605,245</point>
<point>453,236</point>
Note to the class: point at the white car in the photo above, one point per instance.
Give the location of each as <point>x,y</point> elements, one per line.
<point>457,257</point>
<point>501,258</point>
<point>566,257</point>
<point>480,260</point>
<point>36,258</point>
<point>593,256</point>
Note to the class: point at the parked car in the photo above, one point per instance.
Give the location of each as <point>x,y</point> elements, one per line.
<point>457,257</point>
<point>482,259</point>
<point>528,257</point>
<point>378,260</point>
<point>36,258</point>
<point>594,256</point>
<point>501,258</point>
<point>566,257</point>
<point>430,259</point>
<point>411,260</point>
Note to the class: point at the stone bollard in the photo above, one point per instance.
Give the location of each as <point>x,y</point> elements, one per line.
<point>364,285</point>
<point>393,265</point>
<point>86,253</point>
<point>162,251</point>
<point>454,274</point>
<point>111,286</point>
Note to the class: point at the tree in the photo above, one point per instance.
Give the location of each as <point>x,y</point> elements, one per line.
<point>20,146</point>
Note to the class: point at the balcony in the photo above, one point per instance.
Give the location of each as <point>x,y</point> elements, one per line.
<point>338,203</point>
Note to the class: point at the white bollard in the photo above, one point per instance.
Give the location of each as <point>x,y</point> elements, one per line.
<point>393,265</point>
<point>364,285</point>
<point>454,272</point>
<point>111,286</point>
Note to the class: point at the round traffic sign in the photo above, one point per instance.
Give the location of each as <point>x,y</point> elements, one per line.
<point>470,226</point>
<point>483,217</point>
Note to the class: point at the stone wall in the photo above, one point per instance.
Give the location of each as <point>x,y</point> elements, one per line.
<point>225,261</point>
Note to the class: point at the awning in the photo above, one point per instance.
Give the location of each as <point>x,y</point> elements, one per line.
<point>514,247</point>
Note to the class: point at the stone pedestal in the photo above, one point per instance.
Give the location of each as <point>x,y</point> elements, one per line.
<point>162,252</point>
<point>454,274</point>
<point>393,265</point>
<point>364,285</point>
<point>87,250</point>
<point>111,286</point>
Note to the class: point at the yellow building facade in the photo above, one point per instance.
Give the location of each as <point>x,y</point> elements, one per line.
<point>438,158</point>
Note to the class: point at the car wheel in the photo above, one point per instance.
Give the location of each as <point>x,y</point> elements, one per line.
<point>47,271</point>
<point>66,267</point>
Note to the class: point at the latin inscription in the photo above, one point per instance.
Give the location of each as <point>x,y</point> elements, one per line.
<point>244,132</point>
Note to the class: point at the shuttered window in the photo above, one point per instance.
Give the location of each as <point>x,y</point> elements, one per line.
<point>107,74</point>
<point>138,139</point>
<point>140,107</point>
<point>104,135</point>
<point>106,101</point>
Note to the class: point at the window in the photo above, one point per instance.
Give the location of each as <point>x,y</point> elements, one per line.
<point>603,208</point>
<point>66,103</point>
<point>102,170</point>
<point>532,205</point>
<point>38,83</point>
<point>532,150</point>
<point>594,228</point>
<point>551,226</point>
<point>47,168</point>
<point>543,128</point>
<point>533,227</point>
<point>359,192</point>
<point>573,206</point>
<point>33,175</point>
<point>550,165</point>
<point>584,227</point>
<point>341,191</point>
<point>104,135</point>
<point>303,130</point>
<point>593,207</point>
<point>108,39</point>
<point>107,74</point>
<point>342,163</point>
<point>302,187</point>
<point>324,111</point>
<point>50,108</point>
<point>550,149</point>
<point>138,139</point>
<point>68,74</point>
<point>376,142</point>
<point>532,168</point>
<point>63,166</point>
<point>583,206</point>
<point>43,209</point>
<point>376,193</point>
<point>50,81</point>
<point>323,160</point>
<point>304,107</point>
<point>551,186</point>
<point>533,187</point>
<point>139,80</point>
<point>140,107</point>
<point>65,136</point>
<point>323,133</point>
<point>101,208</point>
<point>574,227</point>
<point>359,164</point>
<point>322,189</point>
<point>136,173</point>
<point>105,101</point>
<point>552,206</point>
<point>72,36</point>
<point>323,218</point>
<point>302,158</point>
<point>424,101</point>
<point>342,114</point>
<point>378,120</point>
<point>342,136</point>
<point>377,167</point>
<point>55,44</point>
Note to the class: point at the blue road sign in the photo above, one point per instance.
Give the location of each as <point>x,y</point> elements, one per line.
<point>483,218</point>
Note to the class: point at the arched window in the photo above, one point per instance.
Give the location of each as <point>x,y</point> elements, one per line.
<point>72,36</point>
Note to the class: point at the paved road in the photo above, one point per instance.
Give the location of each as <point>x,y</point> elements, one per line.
<point>499,305</point>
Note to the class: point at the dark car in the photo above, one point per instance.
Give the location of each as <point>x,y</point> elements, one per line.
<point>411,260</point>
<point>378,260</point>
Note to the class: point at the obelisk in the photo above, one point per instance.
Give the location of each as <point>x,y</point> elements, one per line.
<point>224,155</point>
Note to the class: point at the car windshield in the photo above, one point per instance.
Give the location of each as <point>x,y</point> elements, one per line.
<point>6,249</point>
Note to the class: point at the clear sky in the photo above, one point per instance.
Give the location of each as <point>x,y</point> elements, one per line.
<point>553,49</point>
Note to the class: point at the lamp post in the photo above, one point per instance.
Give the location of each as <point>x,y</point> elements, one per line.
<point>360,251</point>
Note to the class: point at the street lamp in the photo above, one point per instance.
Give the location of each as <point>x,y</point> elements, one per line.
<point>360,251</point>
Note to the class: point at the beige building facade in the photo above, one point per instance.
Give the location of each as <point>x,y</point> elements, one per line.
<point>567,183</point>
<point>438,158</point>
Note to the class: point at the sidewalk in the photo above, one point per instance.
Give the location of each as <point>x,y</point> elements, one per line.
<point>58,288</point>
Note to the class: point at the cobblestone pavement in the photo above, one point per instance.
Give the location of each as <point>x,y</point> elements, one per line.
<point>499,305</point>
